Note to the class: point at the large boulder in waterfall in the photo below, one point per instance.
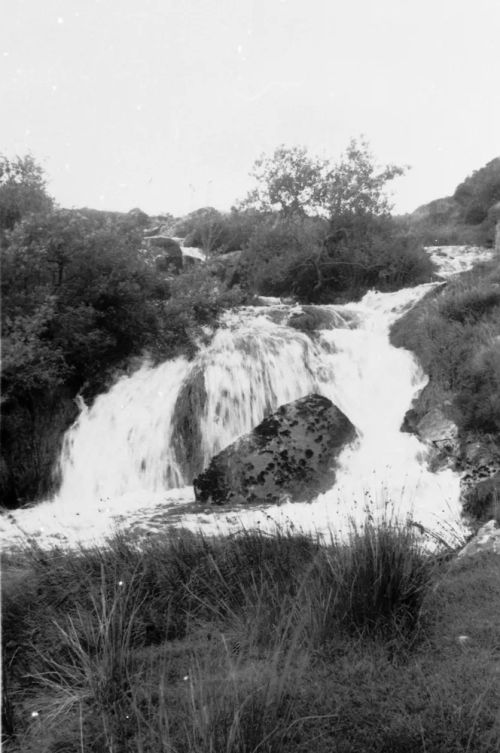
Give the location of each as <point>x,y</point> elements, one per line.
<point>291,453</point>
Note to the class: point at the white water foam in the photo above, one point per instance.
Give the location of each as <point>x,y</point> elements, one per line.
<point>119,459</point>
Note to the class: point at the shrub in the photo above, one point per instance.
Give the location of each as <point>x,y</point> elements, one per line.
<point>454,333</point>
<point>300,257</point>
<point>218,232</point>
<point>80,302</point>
<point>482,501</point>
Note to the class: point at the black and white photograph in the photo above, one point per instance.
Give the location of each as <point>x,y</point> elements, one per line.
<point>250,376</point>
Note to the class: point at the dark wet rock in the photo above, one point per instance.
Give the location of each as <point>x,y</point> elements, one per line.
<point>291,453</point>
<point>227,267</point>
<point>436,429</point>
<point>31,439</point>
<point>189,408</point>
<point>189,261</point>
<point>476,457</point>
<point>314,318</point>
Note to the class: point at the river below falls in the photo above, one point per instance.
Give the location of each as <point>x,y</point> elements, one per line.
<point>128,461</point>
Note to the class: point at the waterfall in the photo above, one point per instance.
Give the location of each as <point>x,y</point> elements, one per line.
<point>142,442</point>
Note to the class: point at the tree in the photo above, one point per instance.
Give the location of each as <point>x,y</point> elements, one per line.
<point>289,181</point>
<point>294,183</point>
<point>357,186</point>
<point>22,190</point>
<point>350,245</point>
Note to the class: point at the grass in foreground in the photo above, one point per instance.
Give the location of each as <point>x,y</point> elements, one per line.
<point>251,644</point>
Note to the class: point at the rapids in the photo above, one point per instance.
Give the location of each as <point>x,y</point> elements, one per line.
<point>131,456</point>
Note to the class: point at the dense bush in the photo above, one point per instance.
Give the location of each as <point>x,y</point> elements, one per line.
<point>317,261</point>
<point>218,232</point>
<point>79,302</point>
<point>480,191</point>
<point>467,217</point>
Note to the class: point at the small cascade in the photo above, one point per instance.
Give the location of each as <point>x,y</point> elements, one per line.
<point>124,442</point>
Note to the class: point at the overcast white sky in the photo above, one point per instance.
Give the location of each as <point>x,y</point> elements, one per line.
<point>165,104</point>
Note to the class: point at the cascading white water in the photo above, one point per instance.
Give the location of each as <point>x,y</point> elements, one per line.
<point>124,442</point>
<point>125,452</point>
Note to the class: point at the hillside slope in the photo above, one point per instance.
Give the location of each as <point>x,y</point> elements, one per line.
<point>469,216</point>
<point>455,333</point>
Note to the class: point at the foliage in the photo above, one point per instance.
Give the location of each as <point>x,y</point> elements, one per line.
<point>357,186</point>
<point>79,302</point>
<point>300,257</point>
<point>294,183</point>
<point>289,181</point>
<point>76,297</point>
<point>455,336</point>
<point>218,232</point>
<point>348,245</point>
<point>196,298</point>
<point>467,217</point>
<point>479,192</point>
<point>22,190</point>
<point>252,643</point>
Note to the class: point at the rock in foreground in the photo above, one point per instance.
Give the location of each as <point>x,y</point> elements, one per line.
<point>291,453</point>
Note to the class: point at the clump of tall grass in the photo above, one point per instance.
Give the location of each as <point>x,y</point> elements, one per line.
<point>196,644</point>
<point>373,584</point>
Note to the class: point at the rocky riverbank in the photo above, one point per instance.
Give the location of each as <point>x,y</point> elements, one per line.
<point>454,332</point>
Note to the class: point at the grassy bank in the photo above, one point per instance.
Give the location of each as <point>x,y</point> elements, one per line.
<point>454,333</point>
<point>252,643</point>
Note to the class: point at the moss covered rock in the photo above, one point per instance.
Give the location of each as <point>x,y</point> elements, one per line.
<point>290,453</point>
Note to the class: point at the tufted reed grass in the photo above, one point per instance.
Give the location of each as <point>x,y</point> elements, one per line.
<point>201,645</point>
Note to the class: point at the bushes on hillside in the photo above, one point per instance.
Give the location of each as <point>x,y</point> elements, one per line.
<point>317,261</point>
<point>467,217</point>
<point>80,301</point>
<point>218,232</point>
<point>455,336</point>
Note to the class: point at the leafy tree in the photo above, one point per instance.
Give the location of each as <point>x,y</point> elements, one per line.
<point>356,186</point>
<point>289,181</point>
<point>22,190</point>
<point>293,183</point>
<point>350,244</point>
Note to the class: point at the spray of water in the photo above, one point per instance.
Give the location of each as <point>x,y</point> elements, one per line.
<point>143,441</point>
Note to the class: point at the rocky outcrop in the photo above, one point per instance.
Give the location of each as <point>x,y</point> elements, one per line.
<point>166,251</point>
<point>189,408</point>
<point>487,539</point>
<point>290,454</point>
<point>310,319</point>
<point>481,492</point>
<point>475,457</point>
<point>439,432</point>
<point>226,267</point>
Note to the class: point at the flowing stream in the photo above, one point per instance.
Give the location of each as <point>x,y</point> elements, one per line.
<point>133,454</point>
